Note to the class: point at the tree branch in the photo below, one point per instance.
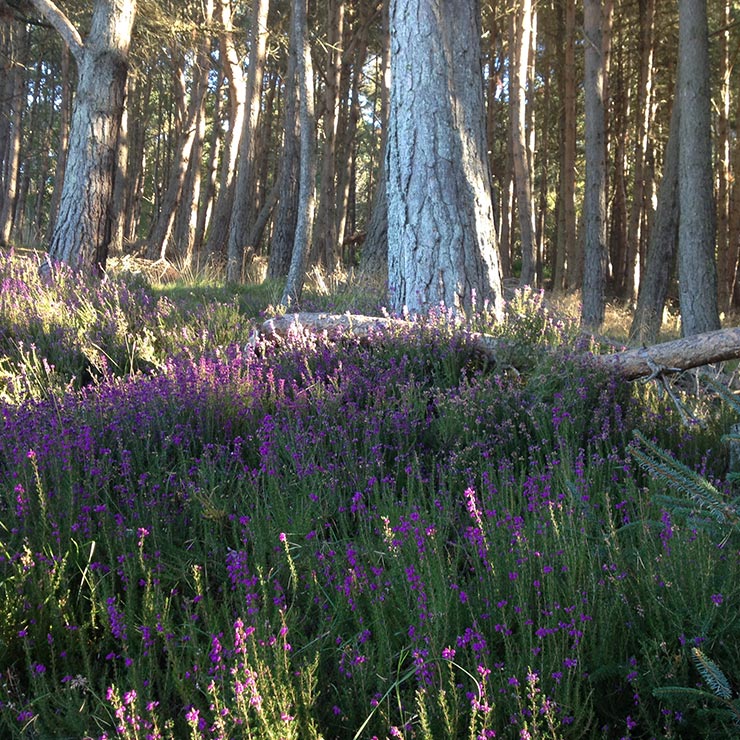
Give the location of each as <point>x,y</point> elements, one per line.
<point>62,25</point>
<point>643,362</point>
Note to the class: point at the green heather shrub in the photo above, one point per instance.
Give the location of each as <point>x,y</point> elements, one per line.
<point>351,539</point>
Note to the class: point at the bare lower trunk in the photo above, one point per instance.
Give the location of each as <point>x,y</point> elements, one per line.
<point>82,232</point>
<point>441,235</point>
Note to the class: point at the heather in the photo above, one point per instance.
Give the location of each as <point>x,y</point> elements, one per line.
<point>206,535</point>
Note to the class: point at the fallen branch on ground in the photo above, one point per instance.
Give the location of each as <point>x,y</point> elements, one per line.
<point>643,362</point>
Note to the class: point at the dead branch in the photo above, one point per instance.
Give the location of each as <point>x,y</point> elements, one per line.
<point>643,362</point>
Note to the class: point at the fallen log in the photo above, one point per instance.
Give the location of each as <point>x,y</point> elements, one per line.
<point>643,362</point>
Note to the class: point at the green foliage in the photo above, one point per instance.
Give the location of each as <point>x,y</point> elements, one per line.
<point>347,539</point>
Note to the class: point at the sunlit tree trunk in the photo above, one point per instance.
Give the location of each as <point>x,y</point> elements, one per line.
<point>307,176</point>
<point>594,203</point>
<point>82,231</point>
<point>441,235</point>
<point>696,230</point>
<point>243,211</point>
<point>160,241</point>
<point>218,234</point>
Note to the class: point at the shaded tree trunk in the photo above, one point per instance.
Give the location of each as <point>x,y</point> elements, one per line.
<point>696,226</point>
<point>326,236</point>
<point>520,30</point>
<point>661,254</point>
<point>594,204</point>
<point>567,248</point>
<point>162,229</point>
<point>14,78</point>
<point>374,256</point>
<point>82,231</point>
<point>441,234</point>
<point>635,236</point>
<point>281,248</point>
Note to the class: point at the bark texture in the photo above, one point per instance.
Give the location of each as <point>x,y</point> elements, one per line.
<point>246,175</point>
<point>661,256</point>
<point>83,227</point>
<point>307,179</point>
<point>594,204</point>
<point>441,237</point>
<point>697,270</point>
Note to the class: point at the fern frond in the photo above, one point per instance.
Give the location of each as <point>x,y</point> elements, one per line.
<point>682,692</point>
<point>712,674</point>
<point>662,466</point>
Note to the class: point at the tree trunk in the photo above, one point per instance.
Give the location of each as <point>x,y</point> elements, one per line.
<point>441,235</point>
<point>82,231</point>
<point>567,249</point>
<point>218,235</point>
<point>594,205</point>
<point>644,107</point>
<point>242,213</point>
<point>306,200</point>
<point>15,80</point>
<point>661,254</point>
<point>733,230</point>
<point>724,248</point>
<point>696,227</point>
<point>374,256</point>
<point>161,234</point>
<point>520,28</point>
<point>326,237</point>
<point>281,248</point>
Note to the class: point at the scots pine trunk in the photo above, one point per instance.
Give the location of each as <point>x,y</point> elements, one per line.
<point>374,256</point>
<point>83,227</point>
<point>441,237</point>
<point>307,175</point>
<point>520,31</point>
<point>660,261</point>
<point>697,271</point>
<point>14,79</point>
<point>635,235</point>
<point>243,210</point>
<point>218,236</point>
<point>567,249</point>
<point>326,236</point>
<point>594,201</point>
<point>281,247</point>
